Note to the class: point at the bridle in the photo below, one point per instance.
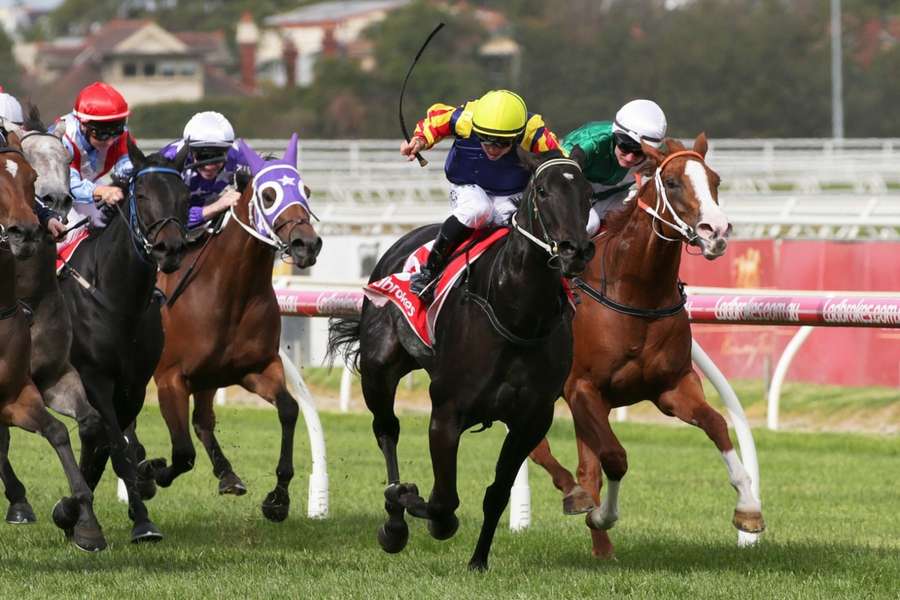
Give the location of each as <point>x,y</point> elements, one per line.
<point>144,238</point>
<point>548,244</point>
<point>687,234</point>
<point>259,226</point>
<point>662,201</point>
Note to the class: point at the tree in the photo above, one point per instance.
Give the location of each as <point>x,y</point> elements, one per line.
<point>10,73</point>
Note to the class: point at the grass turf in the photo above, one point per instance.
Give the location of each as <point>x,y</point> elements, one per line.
<point>830,501</point>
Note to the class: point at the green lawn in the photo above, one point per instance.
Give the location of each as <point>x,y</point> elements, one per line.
<point>830,500</point>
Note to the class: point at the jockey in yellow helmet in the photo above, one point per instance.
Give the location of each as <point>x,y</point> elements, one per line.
<point>486,177</point>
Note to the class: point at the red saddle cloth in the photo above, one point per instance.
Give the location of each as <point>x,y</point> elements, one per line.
<point>65,250</point>
<point>395,287</point>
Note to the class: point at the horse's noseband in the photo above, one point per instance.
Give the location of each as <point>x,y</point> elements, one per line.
<point>549,245</point>
<point>139,232</point>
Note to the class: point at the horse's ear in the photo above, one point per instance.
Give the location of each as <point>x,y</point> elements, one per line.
<point>134,153</point>
<point>290,153</point>
<point>701,145</point>
<point>252,159</point>
<point>528,159</point>
<point>578,155</point>
<point>653,159</point>
<point>182,155</point>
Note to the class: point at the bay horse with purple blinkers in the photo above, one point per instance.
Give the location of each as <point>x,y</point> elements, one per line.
<point>633,338</point>
<point>222,324</point>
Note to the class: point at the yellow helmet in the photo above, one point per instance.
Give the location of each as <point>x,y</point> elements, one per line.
<point>499,114</point>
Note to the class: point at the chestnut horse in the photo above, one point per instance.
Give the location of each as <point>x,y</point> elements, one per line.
<point>503,348</point>
<point>21,404</point>
<point>222,324</point>
<point>633,339</point>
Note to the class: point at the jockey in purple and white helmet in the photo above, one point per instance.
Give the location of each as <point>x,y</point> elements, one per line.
<point>212,162</point>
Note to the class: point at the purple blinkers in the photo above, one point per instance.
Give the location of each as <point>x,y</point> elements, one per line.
<point>280,176</point>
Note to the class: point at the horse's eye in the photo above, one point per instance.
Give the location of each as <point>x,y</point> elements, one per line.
<point>541,191</point>
<point>268,197</point>
<point>672,183</point>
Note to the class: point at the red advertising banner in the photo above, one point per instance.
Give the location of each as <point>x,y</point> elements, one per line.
<point>840,356</point>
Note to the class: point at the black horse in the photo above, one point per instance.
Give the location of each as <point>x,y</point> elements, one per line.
<point>51,329</point>
<point>119,267</point>
<point>502,351</point>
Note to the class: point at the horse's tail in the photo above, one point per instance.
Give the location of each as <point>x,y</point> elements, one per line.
<point>343,339</point>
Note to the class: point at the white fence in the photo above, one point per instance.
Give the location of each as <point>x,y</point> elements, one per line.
<point>795,188</point>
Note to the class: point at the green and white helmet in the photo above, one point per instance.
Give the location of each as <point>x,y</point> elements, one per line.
<point>641,120</point>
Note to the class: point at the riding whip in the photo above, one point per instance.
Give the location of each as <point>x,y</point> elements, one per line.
<point>419,157</point>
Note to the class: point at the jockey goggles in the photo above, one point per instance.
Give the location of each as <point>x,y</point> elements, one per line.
<point>208,154</point>
<point>104,130</point>
<point>626,144</point>
<point>497,142</point>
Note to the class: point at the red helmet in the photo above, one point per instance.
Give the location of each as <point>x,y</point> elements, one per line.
<point>100,102</point>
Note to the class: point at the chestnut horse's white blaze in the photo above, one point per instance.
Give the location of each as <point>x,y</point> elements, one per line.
<point>713,222</point>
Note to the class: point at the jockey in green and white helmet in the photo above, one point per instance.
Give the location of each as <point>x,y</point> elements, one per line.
<point>613,152</point>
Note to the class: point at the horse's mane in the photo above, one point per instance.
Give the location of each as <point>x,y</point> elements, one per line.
<point>33,120</point>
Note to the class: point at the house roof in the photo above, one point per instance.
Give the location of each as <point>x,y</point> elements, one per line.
<point>325,12</point>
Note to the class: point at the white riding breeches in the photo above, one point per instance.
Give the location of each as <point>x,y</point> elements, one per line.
<point>601,207</point>
<point>475,208</point>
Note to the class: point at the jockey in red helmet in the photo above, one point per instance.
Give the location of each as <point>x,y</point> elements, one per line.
<point>95,134</point>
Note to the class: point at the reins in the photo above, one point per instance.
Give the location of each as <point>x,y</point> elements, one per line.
<point>548,244</point>
<point>688,234</point>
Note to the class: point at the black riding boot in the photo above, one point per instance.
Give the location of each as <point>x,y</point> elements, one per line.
<point>449,237</point>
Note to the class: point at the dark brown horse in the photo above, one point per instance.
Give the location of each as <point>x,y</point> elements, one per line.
<point>223,325</point>
<point>633,339</point>
<point>503,347</point>
<point>21,404</point>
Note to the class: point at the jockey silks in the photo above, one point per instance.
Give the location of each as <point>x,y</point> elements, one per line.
<point>205,191</point>
<point>467,163</point>
<point>88,165</point>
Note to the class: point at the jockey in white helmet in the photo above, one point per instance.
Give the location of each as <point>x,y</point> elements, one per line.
<point>10,111</point>
<point>211,165</point>
<point>613,151</point>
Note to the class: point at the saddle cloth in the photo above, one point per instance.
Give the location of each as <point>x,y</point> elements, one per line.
<point>395,287</point>
<point>66,248</point>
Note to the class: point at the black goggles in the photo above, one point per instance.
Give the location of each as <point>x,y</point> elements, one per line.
<point>104,131</point>
<point>209,154</point>
<point>626,144</point>
<point>496,142</point>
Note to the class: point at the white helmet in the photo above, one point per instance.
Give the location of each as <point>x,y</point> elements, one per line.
<point>10,109</point>
<point>209,129</point>
<point>641,120</point>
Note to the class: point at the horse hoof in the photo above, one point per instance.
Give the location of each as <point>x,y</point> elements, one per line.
<point>276,506</point>
<point>20,513</point>
<point>393,537</point>
<point>596,520</point>
<point>153,469</point>
<point>145,532</point>
<point>749,522</point>
<point>478,565</point>
<point>232,484</point>
<point>89,539</point>
<point>443,529</point>
<point>577,502</point>
<point>65,514</point>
